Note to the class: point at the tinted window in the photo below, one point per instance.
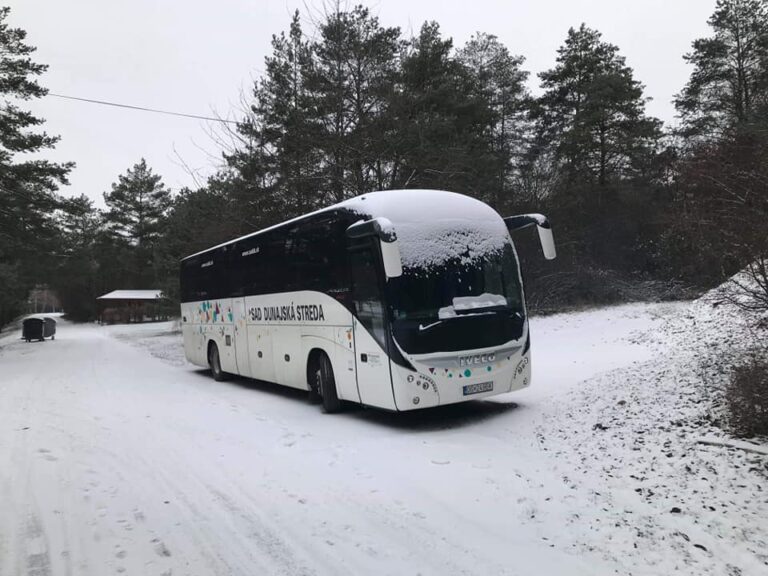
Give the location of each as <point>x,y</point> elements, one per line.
<point>366,289</point>
<point>205,277</point>
<point>275,273</point>
<point>458,306</point>
<point>310,255</point>
<point>256,264</point>
<point>244,261</point>
<point>317,255</point>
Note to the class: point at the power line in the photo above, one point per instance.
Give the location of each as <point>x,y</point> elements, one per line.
<point>142,108</point>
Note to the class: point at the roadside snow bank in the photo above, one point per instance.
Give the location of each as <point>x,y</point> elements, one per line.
<point>714,337</point>
<point>665,500</point>
<point>161,339</point>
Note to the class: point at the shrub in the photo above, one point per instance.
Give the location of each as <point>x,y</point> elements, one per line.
<point>747,399</point>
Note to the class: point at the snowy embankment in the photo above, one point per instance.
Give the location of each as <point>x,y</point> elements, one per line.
<point>117,456</point>
<point>667,481</point>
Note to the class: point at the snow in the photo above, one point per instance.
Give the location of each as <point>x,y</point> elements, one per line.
<point>132,295</point>
<point>433,226</point>
<point>462,303</point>
<point>52,315</point>
<point>118,457</point>
<point>525,220</point>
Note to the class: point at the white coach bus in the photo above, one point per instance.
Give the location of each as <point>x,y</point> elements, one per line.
<point>400,300</point>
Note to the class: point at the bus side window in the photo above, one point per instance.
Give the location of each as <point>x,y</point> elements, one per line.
<point>248,265</point>
<point>316,254</point>
<point>366,290</point>
<point>277,273</point>
<point>339,283</point>
<point>205,277</point>
<point>236,272</point>
<point>217,274</point>
<point>188,282</point>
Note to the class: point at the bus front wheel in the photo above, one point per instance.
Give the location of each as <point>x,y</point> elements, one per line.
<point>325,384</point>
<point>214,361</point>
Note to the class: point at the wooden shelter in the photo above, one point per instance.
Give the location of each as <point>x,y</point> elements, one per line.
<point>126,306</point>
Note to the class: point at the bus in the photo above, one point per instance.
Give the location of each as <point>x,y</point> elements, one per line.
<point>399,300</point>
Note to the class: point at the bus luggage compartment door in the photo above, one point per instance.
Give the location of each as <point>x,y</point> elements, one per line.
<point>260,351</point>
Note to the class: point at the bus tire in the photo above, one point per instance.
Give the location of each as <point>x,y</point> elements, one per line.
<point>325,384</point>
<point>312,375</point>
<point>214,361</point>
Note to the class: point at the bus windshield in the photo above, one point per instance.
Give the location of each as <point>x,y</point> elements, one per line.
<point>457,306</point>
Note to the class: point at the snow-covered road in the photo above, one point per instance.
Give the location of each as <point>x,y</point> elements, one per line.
<point>117,457</point>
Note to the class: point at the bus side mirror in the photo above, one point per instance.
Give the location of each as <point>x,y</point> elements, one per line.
<point>384,230</point>
<point>542,225</point>
<point>390,255</point>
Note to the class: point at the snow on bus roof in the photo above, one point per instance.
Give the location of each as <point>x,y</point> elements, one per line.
<point>432,226</point>
<point>132,295</point>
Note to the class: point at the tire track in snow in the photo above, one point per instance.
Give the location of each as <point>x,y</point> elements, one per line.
<point>29,545</point>
<point>203,534</point>
<point>37,559</point>
<point>266,538</point>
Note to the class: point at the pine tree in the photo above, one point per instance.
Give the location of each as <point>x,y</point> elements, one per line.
<point>444,121</point>
<point>723,175</point>
<point>352,81</point>
<point>278,164</point>
<point>593,127</point>
<point>27,187</point>
<point>78,221</point>
<point>137,206</point>
<point>501,81</point>
<point>594,111</point>
<point>728,87</point>
<point>74,280</point>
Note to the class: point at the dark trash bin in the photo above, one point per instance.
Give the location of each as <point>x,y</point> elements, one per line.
<point>49,328</point>
<point>38,329</point>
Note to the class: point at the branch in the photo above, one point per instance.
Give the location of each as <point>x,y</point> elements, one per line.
<point>737,444</point>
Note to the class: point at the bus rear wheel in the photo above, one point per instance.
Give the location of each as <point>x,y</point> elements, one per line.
<point>214,361</point>
<point>325,384</point>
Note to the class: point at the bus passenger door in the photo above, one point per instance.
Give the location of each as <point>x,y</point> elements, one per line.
<point>241,336</point>
<point>371,359</point>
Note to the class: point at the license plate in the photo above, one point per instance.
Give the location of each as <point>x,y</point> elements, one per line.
<point>470,389</point>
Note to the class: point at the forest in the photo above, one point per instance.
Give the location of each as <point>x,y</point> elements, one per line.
<point>641,210</point>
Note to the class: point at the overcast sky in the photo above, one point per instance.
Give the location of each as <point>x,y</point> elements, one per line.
<point>197,57</point>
